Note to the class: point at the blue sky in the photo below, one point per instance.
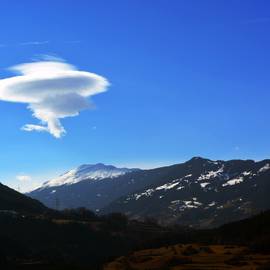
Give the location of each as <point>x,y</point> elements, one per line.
<point>188,78</point>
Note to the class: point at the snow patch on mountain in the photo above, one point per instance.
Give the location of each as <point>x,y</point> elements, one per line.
<point>234,181</point>
<point>203,185</point>
<point>167,186</point>
<point>212,204</point>
<point>211,174</point>
<point>181,205</point>
<point>247,173</point>
<point>147,193</point>
<point>265,168</point>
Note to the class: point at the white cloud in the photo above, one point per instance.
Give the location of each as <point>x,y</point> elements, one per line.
<point>48,57</point>
<point>38,43</point>
<point>53,90</point>
<point>30,127</point>
<point>23,178</point>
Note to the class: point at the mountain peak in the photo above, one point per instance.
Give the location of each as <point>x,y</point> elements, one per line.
<point>96,171</point>
<point>199,159</point>
<point>95,166</point>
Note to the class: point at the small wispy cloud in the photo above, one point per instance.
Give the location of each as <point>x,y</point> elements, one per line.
<point>28,43</point>
<point>47,57</point>
<point>34,43</point>
<point>31,127</point>
<point>39,43</point>
<point>53,90</point>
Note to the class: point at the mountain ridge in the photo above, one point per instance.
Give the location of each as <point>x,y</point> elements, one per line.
<point>216,191</point>
<point>202,193</point>
<point>11,200</point>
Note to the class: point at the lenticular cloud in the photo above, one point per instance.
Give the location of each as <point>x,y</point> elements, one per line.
<point>53,90</point>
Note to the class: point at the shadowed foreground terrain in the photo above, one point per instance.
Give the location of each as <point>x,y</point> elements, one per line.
<point>77,239</point>
<point>239,245</point>
<point>35,237</point>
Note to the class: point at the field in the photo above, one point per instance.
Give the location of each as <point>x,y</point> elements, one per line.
<point>191,257</point>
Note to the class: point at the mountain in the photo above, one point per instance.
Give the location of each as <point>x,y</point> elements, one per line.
<point>200,193</point>
<point>11,200</point>
<point>91,186</point>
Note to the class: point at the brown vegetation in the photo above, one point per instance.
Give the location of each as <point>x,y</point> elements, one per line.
<point>192,256</point>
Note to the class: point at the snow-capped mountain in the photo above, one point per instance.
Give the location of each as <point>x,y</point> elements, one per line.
<point>91,186</point>
<point>87,172</point>
<point>201,192</point>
